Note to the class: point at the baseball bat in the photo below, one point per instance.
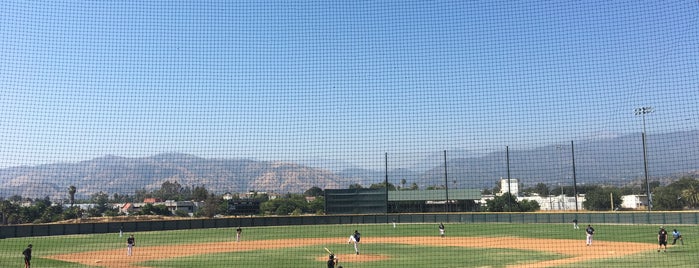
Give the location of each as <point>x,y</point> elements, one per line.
<point>326,249</point>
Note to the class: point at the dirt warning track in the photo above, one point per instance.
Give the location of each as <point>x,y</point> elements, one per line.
<point>573,250</point>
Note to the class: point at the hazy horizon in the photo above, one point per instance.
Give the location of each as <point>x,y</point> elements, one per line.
<point>341,82</point>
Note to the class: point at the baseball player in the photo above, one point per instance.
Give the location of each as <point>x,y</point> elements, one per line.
<point>354,238</point>
<point>238,233</point>
<point>130,243</point>
<point>589,232</point>
<point>676,236</point>
<point>441,230</point>
<point>27,256</point>
<point>332,261</point>
<point>662,239</point>
<point>575,224</point>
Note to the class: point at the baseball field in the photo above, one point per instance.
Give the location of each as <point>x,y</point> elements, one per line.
<point>407,245</point>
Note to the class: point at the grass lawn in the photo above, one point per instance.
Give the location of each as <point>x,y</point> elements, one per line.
<point>399,255</point>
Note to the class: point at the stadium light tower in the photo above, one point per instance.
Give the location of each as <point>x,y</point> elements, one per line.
<point>642,112</point>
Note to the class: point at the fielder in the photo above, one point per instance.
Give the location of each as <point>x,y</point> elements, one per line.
<point>27,256</point>
<point>589,232</point>
<point>130,243</point>
<point>238,233</point>
<point>354,238</point>
<point>441,230</point>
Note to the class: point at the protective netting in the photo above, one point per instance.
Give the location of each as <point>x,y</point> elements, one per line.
<point>113,108</point>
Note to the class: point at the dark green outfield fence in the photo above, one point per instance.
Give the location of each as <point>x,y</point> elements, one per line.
<point>11,231</point>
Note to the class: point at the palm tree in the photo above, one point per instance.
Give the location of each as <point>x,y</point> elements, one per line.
<point>691,195</point>
<point>71,192</point>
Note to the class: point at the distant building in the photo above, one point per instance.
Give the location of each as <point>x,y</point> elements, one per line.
<point>187,206</point>
<point>511,186</point>
<point>634,201</point>
<point>560,202</point>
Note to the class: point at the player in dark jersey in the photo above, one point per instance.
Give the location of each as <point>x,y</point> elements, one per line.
<point>332,261</point>
<point>355,238</point>
<point>27,256</point>
<point>589,233</point>
<point>662,239</point>
<point>130,243</point>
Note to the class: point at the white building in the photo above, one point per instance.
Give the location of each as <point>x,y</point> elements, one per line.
<point>634,201</point>
<point>560,202</point>
<point>511,186</point>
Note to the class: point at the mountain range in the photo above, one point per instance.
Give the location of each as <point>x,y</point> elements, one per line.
<point>614,160</point>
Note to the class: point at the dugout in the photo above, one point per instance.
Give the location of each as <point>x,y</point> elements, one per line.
<point>372,201</point>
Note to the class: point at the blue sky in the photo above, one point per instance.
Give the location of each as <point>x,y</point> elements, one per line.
<point>320,82</point>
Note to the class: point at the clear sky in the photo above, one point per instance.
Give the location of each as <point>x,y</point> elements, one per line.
<point>320,81</point>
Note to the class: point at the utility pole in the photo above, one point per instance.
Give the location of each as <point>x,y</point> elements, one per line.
<point>509,180</point>
<point>642,112</point>
<point>446,182</point>
<point>575,182</point>
<point>385,182</point>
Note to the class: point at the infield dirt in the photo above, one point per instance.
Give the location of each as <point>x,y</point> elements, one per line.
<point>573,250</point>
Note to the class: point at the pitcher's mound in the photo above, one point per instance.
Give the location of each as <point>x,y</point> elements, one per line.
<point>356,258</point>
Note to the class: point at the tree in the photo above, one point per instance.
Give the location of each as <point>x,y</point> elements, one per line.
<point>508,203</point>
<point>690,195</point>
<point>541,189</point>
<point>356,186</point>
<point>101,202</point>
<point>317,206</point>
<point>601,198</point>
<point>10,212</point>
<point>503,203</point>
<point>199,193</point>
<point>170,191</point>
<point>71,192</point>
<point>286,205</point>
<point>212,206</point>
<point>677,195</point>
<point>314,191</point>
<point>382,185</point>
<point>529,206</point>
<point>667,198</point>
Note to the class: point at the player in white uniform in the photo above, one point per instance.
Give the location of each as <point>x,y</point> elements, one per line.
<point>354,238</point>
<point>441,230</point>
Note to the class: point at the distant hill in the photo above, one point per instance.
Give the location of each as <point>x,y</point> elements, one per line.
<point>122,175</point>
<point>617,160</point>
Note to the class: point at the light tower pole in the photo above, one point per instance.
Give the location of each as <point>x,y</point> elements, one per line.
<point>642,112</point>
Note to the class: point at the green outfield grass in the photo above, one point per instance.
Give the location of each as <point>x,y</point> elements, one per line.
<point>400,255</point>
